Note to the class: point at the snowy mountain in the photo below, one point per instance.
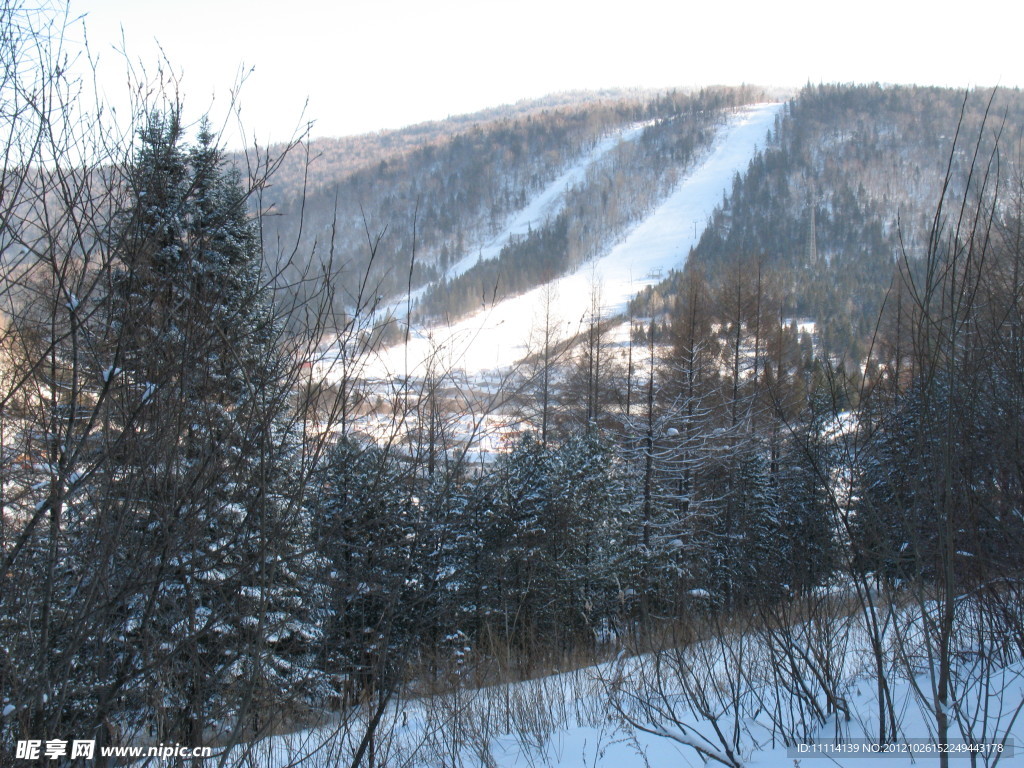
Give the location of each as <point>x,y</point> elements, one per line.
<point>498,336</point>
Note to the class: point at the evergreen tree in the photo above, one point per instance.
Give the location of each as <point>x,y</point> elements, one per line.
<point>556,533</point>
<point>592,533</point>
<point>806,552</point>
<point>734,531</point>
<point>366,532</point>
<point>194,460</point>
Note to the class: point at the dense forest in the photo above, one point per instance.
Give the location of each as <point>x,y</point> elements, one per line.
<point>206,541</point>
<point>844,192</point>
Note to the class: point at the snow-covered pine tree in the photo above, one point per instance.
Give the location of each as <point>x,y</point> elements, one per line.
<point>591,546</point>
<point>734,529</point>
<point>195,455</point>
<point>554,528</point>
<point>452,508</point>
<point>365,525</point>
<point>807,549</point>
<point>514,577</point>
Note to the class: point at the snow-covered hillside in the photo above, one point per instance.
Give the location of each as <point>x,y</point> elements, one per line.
<point>717,702</point>
<point>498,336</point>
<point>547,202</point>
<point>541,208</point>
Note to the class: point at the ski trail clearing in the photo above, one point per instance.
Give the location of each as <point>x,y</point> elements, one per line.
<point>498,337</point>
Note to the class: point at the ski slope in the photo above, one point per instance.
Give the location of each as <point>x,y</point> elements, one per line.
<point>541,208</point>
<point>499,336</point>
<point>548,203</point>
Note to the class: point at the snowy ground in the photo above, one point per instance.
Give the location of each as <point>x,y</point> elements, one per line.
<point>565,720</point>
<point>500,336</point>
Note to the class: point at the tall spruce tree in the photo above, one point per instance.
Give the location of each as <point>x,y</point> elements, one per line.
<point>196,454</point>
<point>367,535</point>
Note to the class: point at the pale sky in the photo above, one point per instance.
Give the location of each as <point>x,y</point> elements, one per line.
<point>365,65</point>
